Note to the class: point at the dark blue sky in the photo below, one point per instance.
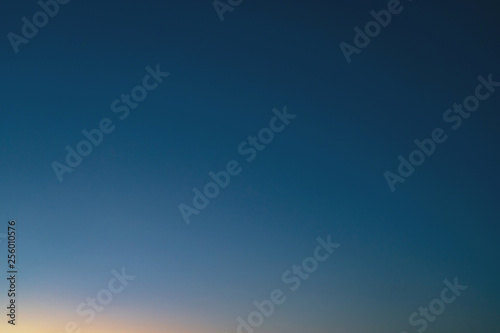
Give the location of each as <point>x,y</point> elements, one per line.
<point>322,175</point>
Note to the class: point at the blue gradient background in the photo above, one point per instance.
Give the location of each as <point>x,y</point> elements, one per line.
<point>322,175</point>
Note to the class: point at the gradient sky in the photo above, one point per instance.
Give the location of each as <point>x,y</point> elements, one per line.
<point>323,175</point>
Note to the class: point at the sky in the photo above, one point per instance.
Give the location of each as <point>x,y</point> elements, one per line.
<point>321,176</point>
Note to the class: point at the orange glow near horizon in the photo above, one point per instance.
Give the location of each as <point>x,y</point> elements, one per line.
<point>36,319</point>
